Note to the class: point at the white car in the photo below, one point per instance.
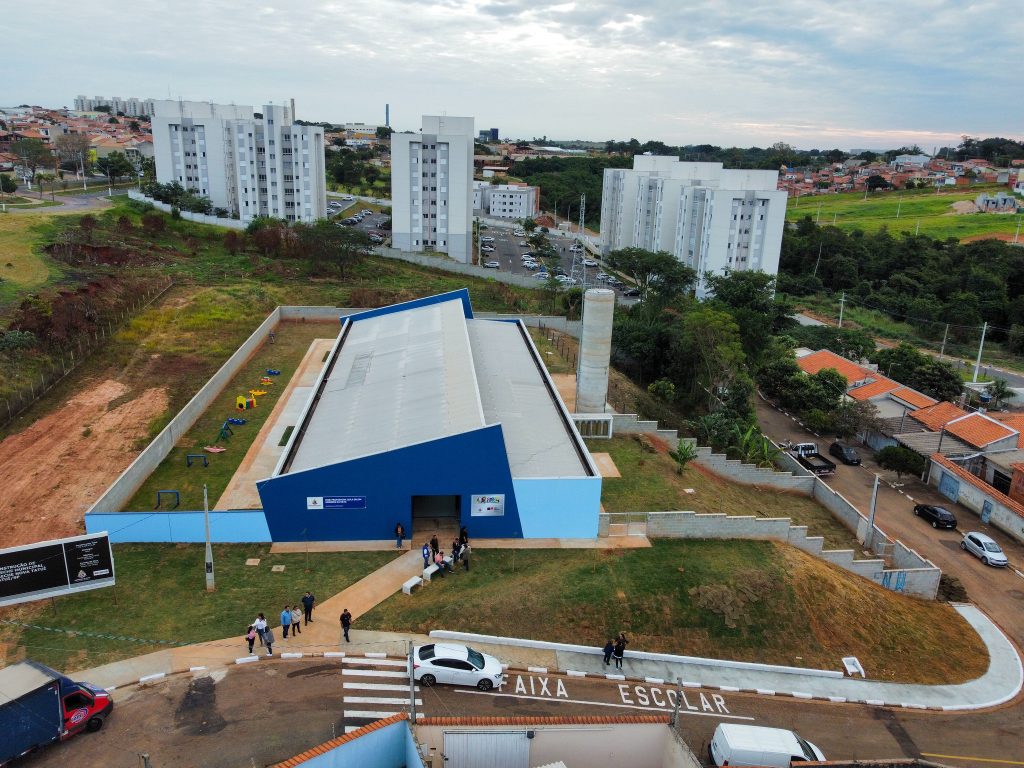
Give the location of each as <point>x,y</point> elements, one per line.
<point>602,276</point>
<point>985,548</point>
<point>487,249</point>
<point>455,665</point>
<point>492,265</point>
<point>589,263</point>
<point>541,276</point>
<point>347,197</point>
<point>486,239</point>
<point>518,233</point>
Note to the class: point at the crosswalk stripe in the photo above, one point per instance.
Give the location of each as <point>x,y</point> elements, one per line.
<point>376,673</point>
<point>379,700</point>
<point>377,686</point>
<point>375,662</point>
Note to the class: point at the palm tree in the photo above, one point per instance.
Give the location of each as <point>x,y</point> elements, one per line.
<point>999,390</point>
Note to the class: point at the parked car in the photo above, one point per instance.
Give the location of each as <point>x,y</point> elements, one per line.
<point>754,745</point>
<point>455,665</point>
<point>602,276</point>
<point>541,276</point>
<point>985,548</point>
<point>523,244</point>
<point>492,265</point>
<point>519,233</point>
<point>631,292</point>
<point>845,453</point>
<point>366,212</point>
<point>487,249</point>
<point>487,239</point>
<point>939,517</point>
<point>589,263</point>
<point>347,197</point>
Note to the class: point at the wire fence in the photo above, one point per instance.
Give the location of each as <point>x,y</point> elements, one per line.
<point>75,352</point>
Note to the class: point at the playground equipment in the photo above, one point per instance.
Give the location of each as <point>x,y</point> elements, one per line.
<point>161,494</point>
<point>236,421</point>
<point>257,392</point>
<point>214,449</point>
<point>243,403</point>
<point>190,457</point>
<point>225,432</point>
<point>273,372</point>
<point>266,380</point>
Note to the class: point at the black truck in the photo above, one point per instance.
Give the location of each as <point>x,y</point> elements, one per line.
<point>809,458</point>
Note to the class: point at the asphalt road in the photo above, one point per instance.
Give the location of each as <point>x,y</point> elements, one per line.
<point>263,713</point>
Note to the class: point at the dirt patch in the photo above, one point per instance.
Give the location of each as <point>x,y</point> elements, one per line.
<point>962,207</point>
<point>58,466</point>
<point>1006,237</point>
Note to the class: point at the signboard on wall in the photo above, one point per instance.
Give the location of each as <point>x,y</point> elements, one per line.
<point>335,502</point>
<point>53,568</point>
<point>488,505</point>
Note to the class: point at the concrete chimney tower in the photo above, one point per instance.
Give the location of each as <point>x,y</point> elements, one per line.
<point>595,350</point>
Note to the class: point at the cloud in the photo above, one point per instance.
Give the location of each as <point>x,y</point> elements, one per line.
<point>718,71</point>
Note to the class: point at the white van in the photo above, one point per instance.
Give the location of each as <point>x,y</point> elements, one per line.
<point>753,745</point>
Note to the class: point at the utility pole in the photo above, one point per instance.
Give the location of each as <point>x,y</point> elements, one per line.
<point>817,219</point>
<point>820,245</point>
<point>870,535</point>
<point>898,206</point>
<point>1017,235</point>
<point>210,586</point>
<point>412,686</point>
<point>842,301</point>
<point>981,346</point>
<point>679,701</point>
<point>917,231</point>
<point>942,351</point>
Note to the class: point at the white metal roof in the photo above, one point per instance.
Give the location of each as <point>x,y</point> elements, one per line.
<point>514,394</point>
<point>400,379</point>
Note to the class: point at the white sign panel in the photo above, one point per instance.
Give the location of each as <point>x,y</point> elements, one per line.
<point>488,505</point>
<point>314,502</point>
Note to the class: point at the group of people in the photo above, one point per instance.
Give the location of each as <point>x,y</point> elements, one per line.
<point>615,650</point>
<point>291,619</point>
<point>432,553</point>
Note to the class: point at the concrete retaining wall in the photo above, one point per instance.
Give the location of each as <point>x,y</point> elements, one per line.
<point>748,474</point>
<point>117,495</point>
<point>198,218</point>
<point>787,463</point>
<point>448,265</point>
<point>241,526</point>
<point>631,423</point>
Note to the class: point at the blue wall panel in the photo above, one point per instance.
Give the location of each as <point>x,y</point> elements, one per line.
<point>386,747</point>
<point>564,508</point>
<point>460,465</point>
<point>462,294</point>
<point>229,527</point>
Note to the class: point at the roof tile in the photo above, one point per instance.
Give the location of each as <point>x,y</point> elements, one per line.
<point>977,482</point>
<point>824,358</point>
<point>913,397</point>
<point>879,386</point>
<point>979,430</point>
<point>935,417</point>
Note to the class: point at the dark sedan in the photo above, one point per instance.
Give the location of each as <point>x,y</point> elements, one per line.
<point>939,517</point>
<point>844,453</point>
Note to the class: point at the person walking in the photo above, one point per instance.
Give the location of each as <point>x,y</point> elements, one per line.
<point>346,623</point>
<point>250,636</point>
<point>434,546</point>
<point>268,640</point>
<point>307,605</point>
<point>260,625</point>
<point>286,621</point>
<point>296,621</point>
<point>427,554</point>
<point>620,650</point>
<point>464,555</point>
<point>399,535</point>
<point>609,648</point>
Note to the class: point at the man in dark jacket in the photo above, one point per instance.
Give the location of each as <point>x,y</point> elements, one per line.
<point>346,623</point>
<point>307,606</point>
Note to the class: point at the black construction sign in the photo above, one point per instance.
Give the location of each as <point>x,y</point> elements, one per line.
<point>52,568</point>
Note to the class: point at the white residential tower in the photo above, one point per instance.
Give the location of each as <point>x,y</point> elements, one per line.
<point>432,187</point>
<point>711,218</point>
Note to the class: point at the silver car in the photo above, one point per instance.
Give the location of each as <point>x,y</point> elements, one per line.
<point>985,548</point>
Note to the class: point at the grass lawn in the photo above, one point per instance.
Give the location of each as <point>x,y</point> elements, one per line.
<point>553,361</point>
<point>649,483</point>
<point>790,608</point>
<point>293,340</point>
<point>22,269</point>
<point>850,210</point>
<point>161,595</point>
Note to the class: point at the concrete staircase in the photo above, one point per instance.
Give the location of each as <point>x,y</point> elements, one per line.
<point>628,423</point>
<point>748,474</point>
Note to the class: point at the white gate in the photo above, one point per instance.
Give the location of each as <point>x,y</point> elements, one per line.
<point>486,749</point>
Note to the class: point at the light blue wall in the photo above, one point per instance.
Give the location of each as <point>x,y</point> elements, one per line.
<point>565,508</point>
<point>230,527</point>
<point>388,747</point>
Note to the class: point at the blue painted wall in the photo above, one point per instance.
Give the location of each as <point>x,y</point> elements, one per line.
<point>462,294</point>
<point>564,508</point>
<point>389,747</point>
<point>231,527</point>
<point>470,463</point>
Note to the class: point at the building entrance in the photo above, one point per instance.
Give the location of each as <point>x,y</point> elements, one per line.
<point>436,515</point>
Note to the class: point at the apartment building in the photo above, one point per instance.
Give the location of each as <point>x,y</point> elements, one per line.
<point>432,187</point>
<point>506,201</point>
<point>252,166</point>
<point>711,218</point>
<point>132,106</point>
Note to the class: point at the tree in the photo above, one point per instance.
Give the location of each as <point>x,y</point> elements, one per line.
<point>900,460</point>
<point>329,248</point>
<point>999,390</point>
<point>684,453</point>
<point>72,149</point>
<point>855,417</point>
<point>663,389</point>
<point>875,181</point>
<point>384,132</point>
<point>32,154</point>
<point>529,225</point>
<point>656,273</point>
<point>7,184</point>
<point>116,165</point>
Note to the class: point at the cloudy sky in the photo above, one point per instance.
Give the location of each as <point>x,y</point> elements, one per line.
<point>813,73</point>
